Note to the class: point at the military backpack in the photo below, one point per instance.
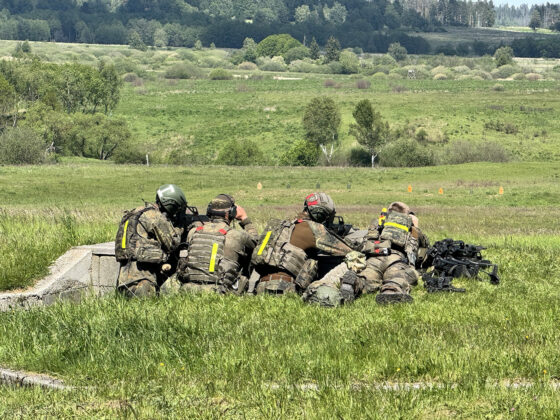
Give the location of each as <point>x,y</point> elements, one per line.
<point>129,245</point>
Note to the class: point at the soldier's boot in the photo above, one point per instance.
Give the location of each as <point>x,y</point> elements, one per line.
<point>141,289</point>
<point>393,292</point>
<point>347,286</point>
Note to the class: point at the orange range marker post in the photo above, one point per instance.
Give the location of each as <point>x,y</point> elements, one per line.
<point>410,188</point>
<point>440,191</point>
<point>501,190</point>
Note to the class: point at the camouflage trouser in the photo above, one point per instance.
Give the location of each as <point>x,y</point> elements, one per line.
<point>138,279</point>
<point>338,286</point>
<point>174,286</point>
<point>389,274</point>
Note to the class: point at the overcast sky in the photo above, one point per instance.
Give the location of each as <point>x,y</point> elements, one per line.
<point>520,2</point>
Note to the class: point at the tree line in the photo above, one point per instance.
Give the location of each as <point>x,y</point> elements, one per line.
<point>370,25</point>
<point>48,110</point>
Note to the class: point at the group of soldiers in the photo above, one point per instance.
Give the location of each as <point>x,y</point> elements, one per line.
<point>166,247</point>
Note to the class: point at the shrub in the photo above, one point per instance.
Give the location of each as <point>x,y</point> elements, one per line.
<point>349,61</point>
<point>184,70</point>
<point>440,76</point>
<point>439,70</point>
<point>329,83</point>
<point>462,151</point>
<point>503,56</point>
<point>302,153</point>
<point>359,157</point>
<point>214,62</point>
<point>380,75</point>
<point>220,74</point>
<point>271,64</point>
<point>247,65</point>
<point>241,153</point>
<point>461,69</point>
<point>533,76</point>
<point>482,74</point>
<point>518,76</point>
<point>276,45</point>
<point>130,155</point>
<point>394,76</point>
<point>335,67</point>
<point>297,53</point>
<point>397,51</point>
<point>498,87</point>
<point>406,153</point>
<point>130,77</point>
<point>505,71</point>
<point>363,84</point>
<point>20,146</point>
<point>502,127</point>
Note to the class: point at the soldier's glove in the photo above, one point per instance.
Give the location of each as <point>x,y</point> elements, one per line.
<point>355,261</point>
<point>166,267</point>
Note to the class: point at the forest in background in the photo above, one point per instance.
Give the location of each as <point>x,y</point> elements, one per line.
<point>370,25</point>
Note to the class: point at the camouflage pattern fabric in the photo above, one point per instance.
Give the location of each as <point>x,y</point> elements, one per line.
<point>235,255</point>
<point>311,237</point>
<point>155,227</point>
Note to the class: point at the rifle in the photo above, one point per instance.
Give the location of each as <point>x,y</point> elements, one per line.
<point>453,259</point>
<point>190,216</point>
<point>339,227</point>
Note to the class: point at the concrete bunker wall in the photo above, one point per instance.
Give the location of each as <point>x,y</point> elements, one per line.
<point>83,270</point>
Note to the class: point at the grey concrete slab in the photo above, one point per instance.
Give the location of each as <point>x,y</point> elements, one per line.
<point>83,270</point>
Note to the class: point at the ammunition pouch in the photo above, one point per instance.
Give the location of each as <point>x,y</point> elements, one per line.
<point>147,252</point>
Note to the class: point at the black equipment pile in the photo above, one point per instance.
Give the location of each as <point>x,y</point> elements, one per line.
<point>448,259</point>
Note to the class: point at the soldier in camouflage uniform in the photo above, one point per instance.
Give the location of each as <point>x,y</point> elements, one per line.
<point>285,258</point>
<point>392,245</point>
<point>218,255</point>
<point>146,241</point>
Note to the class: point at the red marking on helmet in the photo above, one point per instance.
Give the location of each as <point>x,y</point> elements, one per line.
<point>377,242</point>
<point>309,196</point>
<point>223,231</point>
<point>299,220</point>
<point>199,228</point>
<point>312,203</point>
<point>377,251</point>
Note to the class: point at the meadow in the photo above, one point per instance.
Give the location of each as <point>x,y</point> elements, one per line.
<point>491,352</point>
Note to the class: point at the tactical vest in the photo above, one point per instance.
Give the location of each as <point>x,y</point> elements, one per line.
<point>398,230</point>
<point>205,262</point>
<point>275,250</point>
<point>129,245</point>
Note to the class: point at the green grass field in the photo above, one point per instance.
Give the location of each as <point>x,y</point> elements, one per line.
<point>231,357</point>
<point>489,353</point>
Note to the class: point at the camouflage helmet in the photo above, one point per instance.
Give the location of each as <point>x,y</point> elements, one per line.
<point>171,198</point>
<point>220,205</point>
<point>320,207</point>
<point>326,296</point>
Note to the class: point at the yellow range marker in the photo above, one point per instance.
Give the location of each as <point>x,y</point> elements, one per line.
<point>266,238</point>
<point>123,244</point>
<point>213,257</point>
